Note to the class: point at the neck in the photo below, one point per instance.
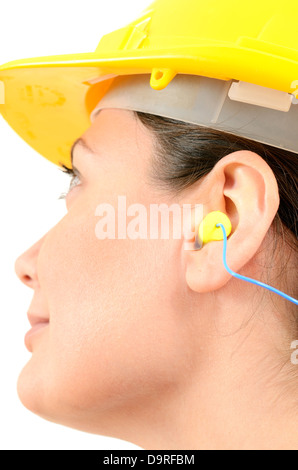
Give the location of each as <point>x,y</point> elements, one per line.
<point>240,393</point>
<point>234,403</point>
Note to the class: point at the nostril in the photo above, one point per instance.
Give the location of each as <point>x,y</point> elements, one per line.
<point>26,265</point>
<point>27,280</point>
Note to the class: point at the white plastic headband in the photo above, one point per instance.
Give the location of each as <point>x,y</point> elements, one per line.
<point>257,113</point>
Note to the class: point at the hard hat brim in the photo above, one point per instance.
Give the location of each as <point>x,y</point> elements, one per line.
<point>48,101</point>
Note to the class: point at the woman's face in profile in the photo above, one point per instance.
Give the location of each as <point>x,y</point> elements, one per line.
<point>114,341</point>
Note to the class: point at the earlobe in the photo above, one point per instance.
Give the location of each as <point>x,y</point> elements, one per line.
<point>247,189</point>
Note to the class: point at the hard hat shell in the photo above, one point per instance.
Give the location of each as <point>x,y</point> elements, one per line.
<point>48,100</point>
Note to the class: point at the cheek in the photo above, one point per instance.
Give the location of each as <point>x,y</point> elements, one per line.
<point>113,336</point>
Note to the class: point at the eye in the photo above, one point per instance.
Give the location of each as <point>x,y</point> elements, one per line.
<point>75,179</point>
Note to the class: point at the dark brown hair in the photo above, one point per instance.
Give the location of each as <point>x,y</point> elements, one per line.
<point>185,153</point>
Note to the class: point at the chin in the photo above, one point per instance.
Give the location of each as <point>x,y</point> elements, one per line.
<point>43,397</point>
<point>29,389</point>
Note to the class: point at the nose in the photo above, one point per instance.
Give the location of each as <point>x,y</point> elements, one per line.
<point>26,265</point>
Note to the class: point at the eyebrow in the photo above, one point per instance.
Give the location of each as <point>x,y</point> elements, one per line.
<point>80,142</point>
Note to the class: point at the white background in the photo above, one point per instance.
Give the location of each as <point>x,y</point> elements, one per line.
<point>30,187</point>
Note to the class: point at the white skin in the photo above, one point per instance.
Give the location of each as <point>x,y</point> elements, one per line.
<point>148,342</point>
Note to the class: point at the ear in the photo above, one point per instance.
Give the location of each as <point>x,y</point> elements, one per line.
<point>243,186</point>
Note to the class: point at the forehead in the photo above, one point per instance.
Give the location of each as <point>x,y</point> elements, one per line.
<point>116,134</point>
<point>110,124</point>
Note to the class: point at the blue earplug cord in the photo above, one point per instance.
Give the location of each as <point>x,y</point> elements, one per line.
<point>247,279</point>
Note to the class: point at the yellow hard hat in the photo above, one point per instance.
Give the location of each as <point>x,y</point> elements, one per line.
<point>48,100</point>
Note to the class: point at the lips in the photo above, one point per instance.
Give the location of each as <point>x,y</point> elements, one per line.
<point>38,323</point>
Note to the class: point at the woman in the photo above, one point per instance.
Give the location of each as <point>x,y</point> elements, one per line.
<point>139,338</point>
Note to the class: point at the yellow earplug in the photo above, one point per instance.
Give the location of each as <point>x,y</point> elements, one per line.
<point>209,232</point>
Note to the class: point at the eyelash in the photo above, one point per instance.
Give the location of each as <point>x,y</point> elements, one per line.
<point>73,174</point>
